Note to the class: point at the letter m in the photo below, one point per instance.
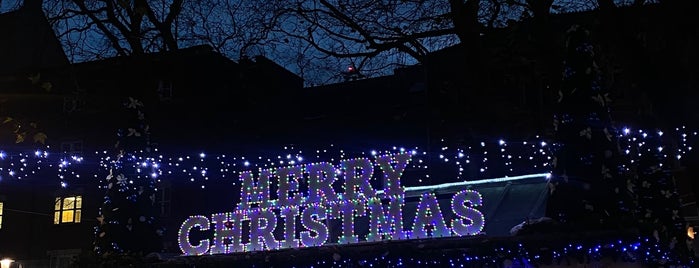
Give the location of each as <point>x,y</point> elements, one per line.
<point>254,193</point>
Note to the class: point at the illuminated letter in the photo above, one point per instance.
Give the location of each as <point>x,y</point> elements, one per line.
<point>311,219</point>
<point>262,224</point>
<point>428,213</point>
<point>357,182</point>
<point>254,193</point>
<point>348,213</point>
<point>320,181</point>
<point>466,212</point>
<point>227,226</point>
<point>202,222</point>
<point>289,183</point>
<point>390,224</point>
<point>289,214</point>
<point>392,174</point>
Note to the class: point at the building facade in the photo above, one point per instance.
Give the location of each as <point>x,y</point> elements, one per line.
<point>202,106</point>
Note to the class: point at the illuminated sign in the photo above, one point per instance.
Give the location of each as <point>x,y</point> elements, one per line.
<point>307,200</point>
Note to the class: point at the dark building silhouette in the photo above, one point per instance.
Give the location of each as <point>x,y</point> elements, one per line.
<point>33,45</point>
<point>193,94</point>
<point>197,99</point>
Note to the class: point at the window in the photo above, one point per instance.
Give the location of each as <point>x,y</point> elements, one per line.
<point>72,148</point>
<point>72,104</point>
<point>67,209</point>
<point>164,200</point>
<point>165,89</point>
<point>1,214</point>
<point>63,258</point>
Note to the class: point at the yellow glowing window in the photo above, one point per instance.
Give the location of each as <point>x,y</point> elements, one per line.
<point>67,209</point>
<point>0,215</point>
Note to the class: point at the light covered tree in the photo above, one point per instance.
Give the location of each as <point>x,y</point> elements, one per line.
<point>604,177</point>
<point>588,189</point>
<point>127,223</point>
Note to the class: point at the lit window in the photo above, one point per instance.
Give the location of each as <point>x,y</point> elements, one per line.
<point>0,215</point>
<point>67,209</point>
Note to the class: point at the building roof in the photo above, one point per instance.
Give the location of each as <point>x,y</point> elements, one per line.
<point>27,42</point>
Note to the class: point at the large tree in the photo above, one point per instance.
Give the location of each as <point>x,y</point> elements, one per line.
<point>604,177</point>
<point>121,27</point>
<point>321,35</point>
<point>371,35</point>
<point>297,33</point>
<point>128,226</point>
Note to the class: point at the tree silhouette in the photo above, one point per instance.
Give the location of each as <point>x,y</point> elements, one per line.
<point>604,178</point>
<point>588,188</point>
<point>127,223</point>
